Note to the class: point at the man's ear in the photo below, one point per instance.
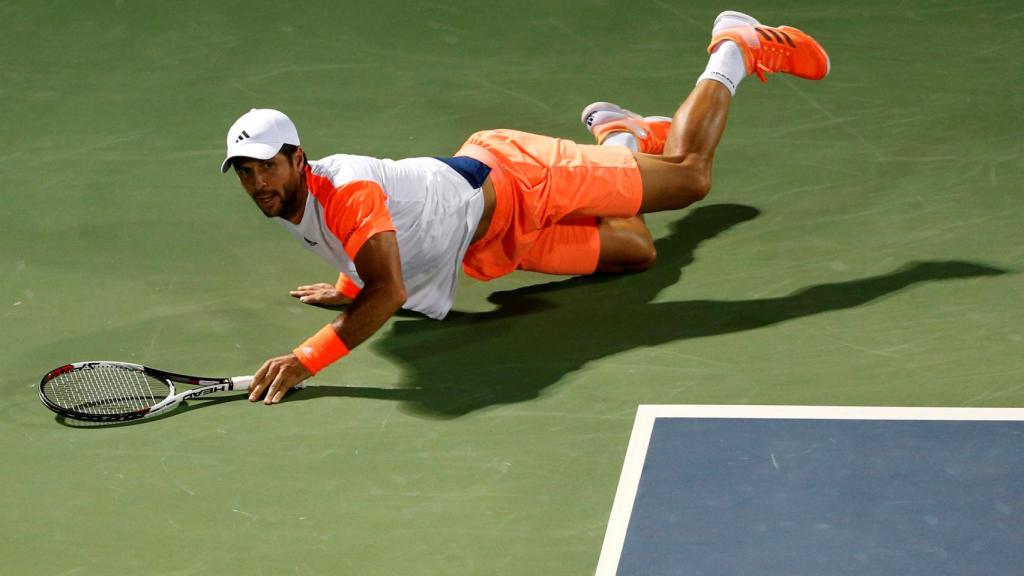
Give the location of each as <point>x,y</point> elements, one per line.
<point>300,158</point>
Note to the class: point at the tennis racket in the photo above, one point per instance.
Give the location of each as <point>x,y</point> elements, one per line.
<point>119,391</point>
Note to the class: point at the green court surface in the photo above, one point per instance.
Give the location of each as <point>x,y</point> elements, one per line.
<point>862,246</point>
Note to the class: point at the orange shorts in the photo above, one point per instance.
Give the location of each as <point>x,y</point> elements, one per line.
<point>550,194</point>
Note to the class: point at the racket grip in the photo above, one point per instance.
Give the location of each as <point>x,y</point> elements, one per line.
<point>241,382</point>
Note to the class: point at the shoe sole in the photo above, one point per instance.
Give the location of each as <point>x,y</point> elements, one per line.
<point>750,20</point>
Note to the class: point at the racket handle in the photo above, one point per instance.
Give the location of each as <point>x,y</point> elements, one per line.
<point>241,382</point>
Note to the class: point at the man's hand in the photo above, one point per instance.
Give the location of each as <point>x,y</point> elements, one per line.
<point>321,294</point>
<point>383,293</point>
<point>276,377</point>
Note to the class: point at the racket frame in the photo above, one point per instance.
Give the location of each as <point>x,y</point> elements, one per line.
<point>174,398</point>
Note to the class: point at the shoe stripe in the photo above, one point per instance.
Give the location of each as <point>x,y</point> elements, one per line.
<point>763,34</point>
<point>788,39</point>
<point>776,35</point>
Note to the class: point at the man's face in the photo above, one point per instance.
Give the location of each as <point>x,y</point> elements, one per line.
<point>273,184</point>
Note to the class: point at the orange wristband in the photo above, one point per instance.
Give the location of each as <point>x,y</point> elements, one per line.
<point>320,350</point>
<point>347,287</point>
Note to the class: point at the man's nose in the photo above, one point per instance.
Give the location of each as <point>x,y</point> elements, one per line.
<point>260,178</point>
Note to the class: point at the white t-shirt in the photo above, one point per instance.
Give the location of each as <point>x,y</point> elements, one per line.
<point>433,210</point>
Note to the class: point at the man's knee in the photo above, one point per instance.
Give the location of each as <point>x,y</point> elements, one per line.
<point>693,178</point>
<point>696,186</point>
<point>641,254</point>
<point>675,183</point>
<point>645,262</point>
<point>626,246</point>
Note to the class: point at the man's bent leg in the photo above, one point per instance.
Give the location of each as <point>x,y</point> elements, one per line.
<point>571,247</point>
<point>581,246</point>
<point>740,45</point>
<point>682,175</point>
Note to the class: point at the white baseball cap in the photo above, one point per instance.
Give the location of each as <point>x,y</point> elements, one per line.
<point>259,133</point>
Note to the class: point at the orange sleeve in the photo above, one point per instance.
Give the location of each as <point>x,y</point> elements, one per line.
<point>355,212</point>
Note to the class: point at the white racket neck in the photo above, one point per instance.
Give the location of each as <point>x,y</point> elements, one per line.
<point>236,384</point>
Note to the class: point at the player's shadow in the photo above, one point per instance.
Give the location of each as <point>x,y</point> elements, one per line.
<point>538,334</point>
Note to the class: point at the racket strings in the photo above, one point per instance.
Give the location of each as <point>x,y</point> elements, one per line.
<point>106,390</point>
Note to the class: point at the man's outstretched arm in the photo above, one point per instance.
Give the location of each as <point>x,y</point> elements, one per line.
<point>383,294</point>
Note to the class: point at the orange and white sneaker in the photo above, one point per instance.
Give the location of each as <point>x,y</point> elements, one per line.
<point>769,50</point>
<point>603,119</point>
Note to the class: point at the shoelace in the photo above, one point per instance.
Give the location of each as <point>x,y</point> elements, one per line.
<point>774,55</point>
<point>772,59</point>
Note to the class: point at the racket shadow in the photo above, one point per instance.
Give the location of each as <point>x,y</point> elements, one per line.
<point>187,406</point>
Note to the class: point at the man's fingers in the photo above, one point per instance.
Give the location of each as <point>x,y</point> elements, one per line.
<point>311,288</point>
<point>327,297</point>
<point>323,294</point>
<point>259,382</point>
<point>277,388</point>
<point>257,390</point>
<point>279,395</point>
<point>276,377</point>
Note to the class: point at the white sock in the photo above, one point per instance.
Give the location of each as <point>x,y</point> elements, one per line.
<point>726,66</point>
<point>621,139</point>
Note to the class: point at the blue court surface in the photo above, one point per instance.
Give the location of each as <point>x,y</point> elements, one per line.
<point>782,490</point>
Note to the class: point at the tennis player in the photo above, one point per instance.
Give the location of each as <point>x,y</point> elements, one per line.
<point>398,231</point>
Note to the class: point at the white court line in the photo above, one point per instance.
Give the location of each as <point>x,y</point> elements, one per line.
<point>646,414</point>
<point>629,481</point>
